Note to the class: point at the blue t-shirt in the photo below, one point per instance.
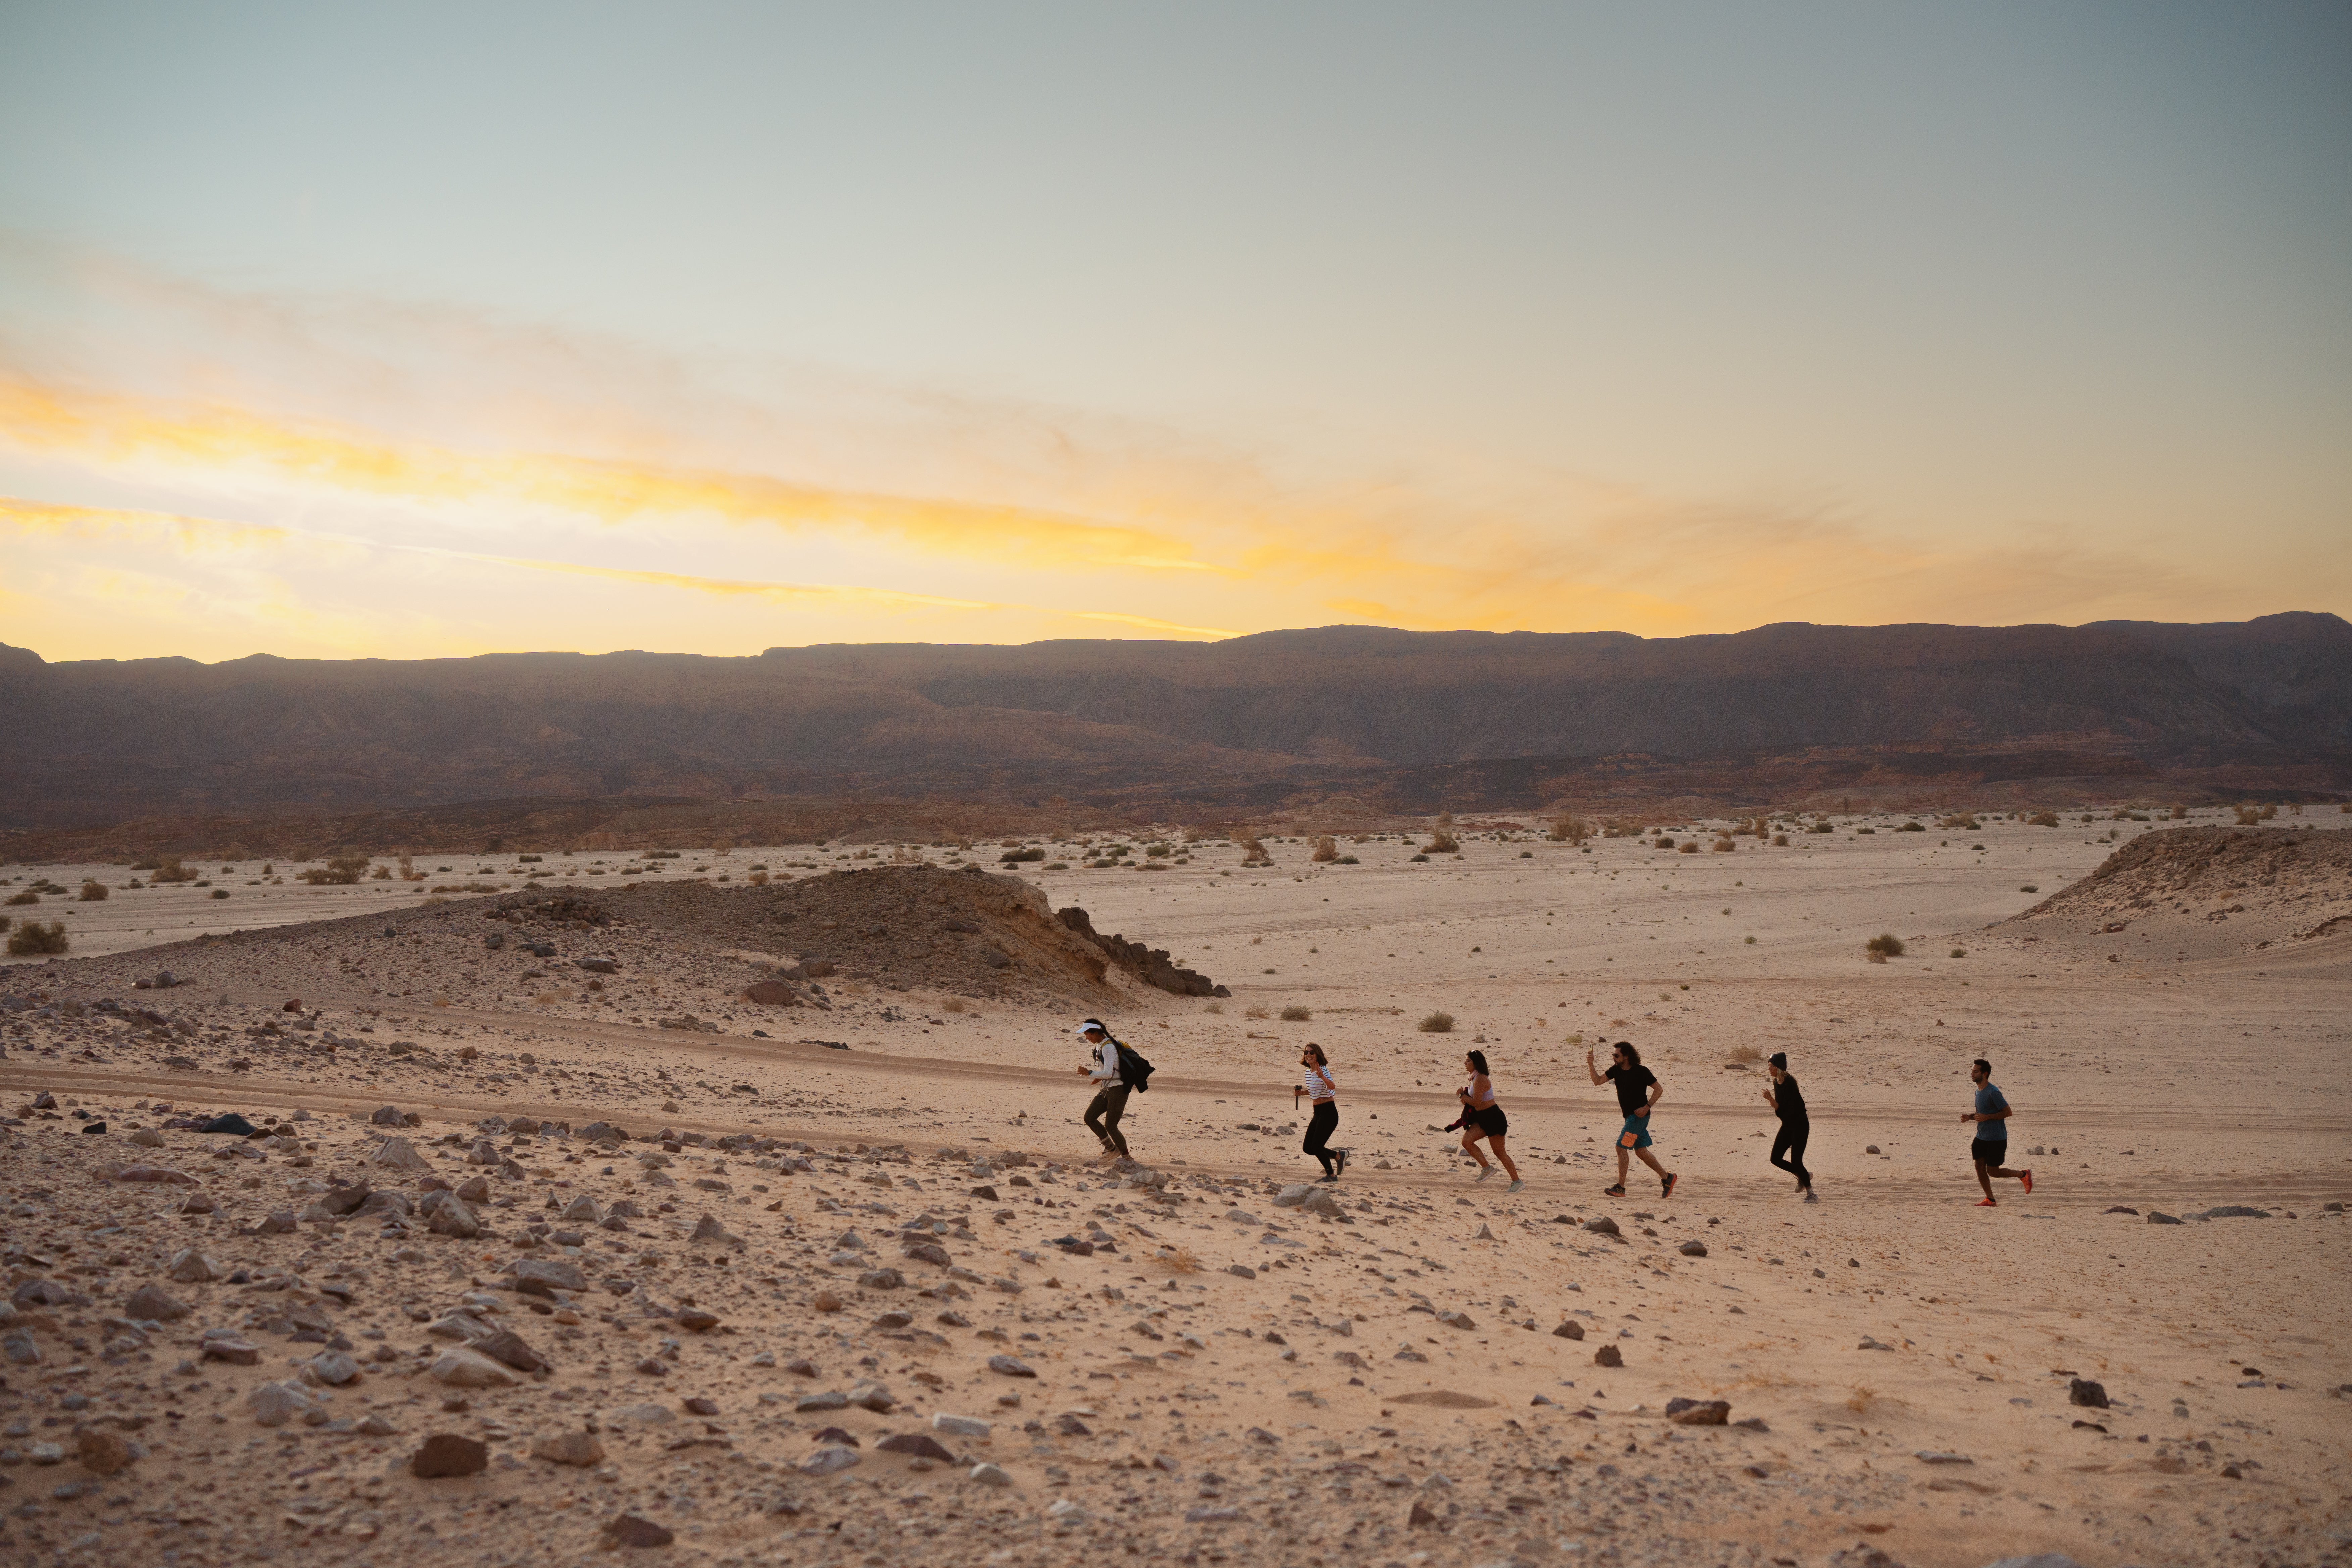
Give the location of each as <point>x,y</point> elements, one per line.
<point>1989,1100</point>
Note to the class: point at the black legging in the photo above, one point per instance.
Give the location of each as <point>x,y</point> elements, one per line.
<point>1108,1105</point>
<point>1319,1128</point>
<point>1791,1138</point>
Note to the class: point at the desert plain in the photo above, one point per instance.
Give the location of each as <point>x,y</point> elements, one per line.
<point>603,1202</point>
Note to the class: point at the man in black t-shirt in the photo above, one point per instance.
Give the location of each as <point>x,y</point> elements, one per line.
<point>1789,1102</point>
<point>1638,1093</point>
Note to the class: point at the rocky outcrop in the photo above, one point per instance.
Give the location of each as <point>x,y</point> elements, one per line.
<point>1149,964</point>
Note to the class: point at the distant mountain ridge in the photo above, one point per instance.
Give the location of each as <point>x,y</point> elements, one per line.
<point>1365,710</point>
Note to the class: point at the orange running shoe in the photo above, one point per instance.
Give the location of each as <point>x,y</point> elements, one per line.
<point>1987,1204</point>
<point>2029,1183</point>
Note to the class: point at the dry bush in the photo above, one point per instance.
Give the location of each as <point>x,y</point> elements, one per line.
<point>340,871</point>
<point>1958,953</point>
<point>1661,842</point>
<point>2042,819</point>
<point>1254,853</point>
<point>1687,846</point>
<point>1780,841</point>
<point>26,897</point>
<point>1886,944</point>
<point>1571,829</point>
<point>2179,813</point>
<point>908,855</point>
<point>1960,821</point>
<point>1440,1023</point>
<point>408,871</point>
<point>1295,1014</point>
<point>2028,887</point>
<point>953,1004</point>
<point>33,938</point>
<point>1179,1258</point>
<point>1194,835</point>
<point>169,869</point>
<point>93,892</point>
<point>1442,843</point>
<point>382,874</point>
<point>1745,1054</point>
<point>1254,1011</point>
<point>1214,1007</point>
<point>1325,849</point>
<point>1724,845</point>
<point>759,878</point>
<point>1860,1399</point>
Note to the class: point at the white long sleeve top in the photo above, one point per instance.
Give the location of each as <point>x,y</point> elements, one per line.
<point>1105,1068</point>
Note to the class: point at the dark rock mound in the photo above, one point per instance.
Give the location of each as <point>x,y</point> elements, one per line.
<point>1149,964</point>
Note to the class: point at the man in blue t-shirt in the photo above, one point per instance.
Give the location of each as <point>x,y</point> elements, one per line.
<point>1992,1145</point>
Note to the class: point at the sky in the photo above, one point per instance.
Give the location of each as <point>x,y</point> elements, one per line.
<point>342,331</point>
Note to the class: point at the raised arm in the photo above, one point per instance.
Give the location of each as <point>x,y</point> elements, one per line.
<point>1597,1080</point>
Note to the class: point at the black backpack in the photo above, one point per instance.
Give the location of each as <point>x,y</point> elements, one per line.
<point>1133,1070</point>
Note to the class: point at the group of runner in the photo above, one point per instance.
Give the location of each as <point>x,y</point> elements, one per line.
<point>1482,1119</point>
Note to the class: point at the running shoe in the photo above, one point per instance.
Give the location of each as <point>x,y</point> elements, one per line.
<point>1341,1156</point>
<point>1328,1177</point>
<point>1809,1196</point>
<point>1666,1187</point>
<point>1515,1186</point>
<point>1987,1204</point>
<point>1485,1172</point>
<point>2029,1183</point>
<point>1616,1191</point>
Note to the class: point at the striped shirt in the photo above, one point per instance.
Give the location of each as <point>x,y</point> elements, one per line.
<point>1319,1085</point>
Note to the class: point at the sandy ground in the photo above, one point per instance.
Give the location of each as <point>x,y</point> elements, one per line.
<point>1306,1413</point>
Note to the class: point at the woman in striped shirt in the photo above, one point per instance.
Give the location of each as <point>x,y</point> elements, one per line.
<point>1324,1094</point>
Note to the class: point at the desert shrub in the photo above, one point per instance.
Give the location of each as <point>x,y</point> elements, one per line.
<point>1748,941</point>
<point>1780,841</point>
<point>220,893</point>
<point>1439,1023</point>
<point>6,921</point>
<point>169,869</point>
<point>1913,825</point>
<point>1014,857</point>
<point>1963,821</point>
<point>340,871</point>
<point>1421,857</point>
<point>1442,843</point>
<point>1885,944</point>
<point>93,892</point>
<point>26,897</point>
<point>2043,819</point>
<point>1661,842</point>
<point>1571,829</point>
<point>1325,849</point>
<point>1745,1054</point>
<point>1254,1011</point>
<point>33,937</point>
<point>1725,844</point>
<point>1254,853</point>
<point>1687,846</point>
<point>1295,1014</point>
<point>2028,887</point>
<point>1214,1007</point>
<point>1822,825</point>
<point>1958,953</point>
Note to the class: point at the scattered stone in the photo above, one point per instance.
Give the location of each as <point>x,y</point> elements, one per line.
<point>1937,1457</point>
<point>2081,1391</point>
<point>1457,1319</point>
<point>1421,1514</point>
<point>1009,1366</point>
<point>1608,1356</point>
<point>445,1453</point>
<point>153,1303</point>
<point>1603,1226</point>
<point>335,1368</point>
<point>275,1404</point>
<point>634,1529</point>
<point>2119,1208</point>
<point>460,1367</point>
<point>1698,1411</point>
<point>232,1350</point>
<point>509,1347</point>
<point>990,1475</point>
<point>1569,1329</point>
<point>830,1460</point>
<point>916,1444</point>
<point>970,1427</point>
<point>579,1449</point>
<point>192,1267</point>
<point>1242,1271</point>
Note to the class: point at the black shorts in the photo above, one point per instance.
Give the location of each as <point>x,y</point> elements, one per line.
<point>1490,1122</point>
<point>1991,1153</point>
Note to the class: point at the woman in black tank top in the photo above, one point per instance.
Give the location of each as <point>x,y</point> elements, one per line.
<point>1789,1102</point>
